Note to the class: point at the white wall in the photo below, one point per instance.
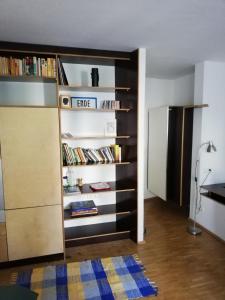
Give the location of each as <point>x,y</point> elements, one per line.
<point>165,92</point>
<point>183,90</point>
<point>209,124</point>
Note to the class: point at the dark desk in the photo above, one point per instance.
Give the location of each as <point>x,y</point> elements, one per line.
<point>215,192</point>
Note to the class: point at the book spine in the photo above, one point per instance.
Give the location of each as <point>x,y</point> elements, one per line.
<point>86,155</point>
<point>77,155</point>
<point>35,66</point>
<point>83,159</point>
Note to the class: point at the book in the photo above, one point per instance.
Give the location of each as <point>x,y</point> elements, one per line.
<point>110,104</point>
<point>62,75</point>
<point>100,186</point>
<point>82,208</point>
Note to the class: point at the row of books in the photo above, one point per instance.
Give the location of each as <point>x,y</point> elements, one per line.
<point>83,208</point>
<point>35,66</point>
<point>75,156</point>
<point>110,104</point>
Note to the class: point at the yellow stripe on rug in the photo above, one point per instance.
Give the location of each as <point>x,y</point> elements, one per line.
<point>113,279</point>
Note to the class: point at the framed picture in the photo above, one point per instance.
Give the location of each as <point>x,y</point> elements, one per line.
<point>65,101</point>
<point>110,128</point>
<point>84,102</point>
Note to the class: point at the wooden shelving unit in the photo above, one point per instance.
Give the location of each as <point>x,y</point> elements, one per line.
<point>125,208</point>
<point>124,87</point>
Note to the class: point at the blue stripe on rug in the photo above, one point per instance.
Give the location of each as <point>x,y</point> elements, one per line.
<point>102,281</point>
<point>61,282</point>
<point>137,274</point>
<point>24,278</point>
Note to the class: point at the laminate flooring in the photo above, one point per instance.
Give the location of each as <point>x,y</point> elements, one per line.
<point>183,267</point>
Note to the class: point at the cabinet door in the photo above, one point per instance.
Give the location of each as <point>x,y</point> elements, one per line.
<point>33,232</point>
<point>30,153</point>
<point>157,155</point>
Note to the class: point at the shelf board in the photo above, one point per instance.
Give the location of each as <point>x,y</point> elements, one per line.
<point>96,109</point>
<point>102,210</point>
<point>116,186</point>
<point>94,88</point>
<point>92,231</point>
<point>99,164</point>
<point>95,137</point>
<point>25,78</point>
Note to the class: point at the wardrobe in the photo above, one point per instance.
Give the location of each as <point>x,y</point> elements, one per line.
<point>170,153</point>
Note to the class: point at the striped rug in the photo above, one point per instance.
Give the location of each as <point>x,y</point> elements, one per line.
<point>110,278</point>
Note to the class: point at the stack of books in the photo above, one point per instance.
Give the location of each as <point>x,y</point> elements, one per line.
<point>83,208</point>
<point>76,156</point>
<point>36,66</point>
<point>100,186</point>
<point>110,104</point>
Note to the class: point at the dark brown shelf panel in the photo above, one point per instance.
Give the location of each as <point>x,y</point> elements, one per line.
<point>95,137</point>
<point>90,59</point>
<point>97,109</point>
<point>99,164</point>
<point>29,78</point>
<point>93,231</point>
<point>102,210</point>
<point>94,88</point>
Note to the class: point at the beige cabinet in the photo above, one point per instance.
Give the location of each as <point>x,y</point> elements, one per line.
<point>30,153</point>
<point>34,232</point>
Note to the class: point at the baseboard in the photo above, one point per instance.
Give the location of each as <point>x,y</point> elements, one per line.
<point>151,198</point>
<point>208,231</point>
<point>32,260</point>
<point>142,243</point>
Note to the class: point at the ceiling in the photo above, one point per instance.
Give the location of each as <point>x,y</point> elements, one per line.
<point>178,33</point>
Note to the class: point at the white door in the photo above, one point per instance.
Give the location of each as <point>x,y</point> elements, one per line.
<point>157,156</point>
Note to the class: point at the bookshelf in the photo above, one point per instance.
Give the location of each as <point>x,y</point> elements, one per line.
<point>119,82</point>
<point>118,72</point>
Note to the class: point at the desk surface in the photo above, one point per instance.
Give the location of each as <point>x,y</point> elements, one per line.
<point>215,192</point>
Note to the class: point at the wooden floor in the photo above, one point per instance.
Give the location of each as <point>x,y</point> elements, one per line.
<point>184,267</point>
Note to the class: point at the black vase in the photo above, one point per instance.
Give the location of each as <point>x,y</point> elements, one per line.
<point>94,76</point>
